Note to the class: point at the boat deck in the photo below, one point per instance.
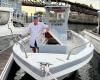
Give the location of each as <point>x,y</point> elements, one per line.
<point>4,56</point>
<point>71,44</point>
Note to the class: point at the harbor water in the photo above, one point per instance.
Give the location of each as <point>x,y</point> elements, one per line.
<point>91,71</point>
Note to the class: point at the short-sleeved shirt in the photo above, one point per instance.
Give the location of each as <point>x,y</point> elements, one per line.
<point>35,32</point>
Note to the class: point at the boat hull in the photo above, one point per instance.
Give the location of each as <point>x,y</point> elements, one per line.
<point>58,72</point>
<point>61,64</point>
<point>94,39</point>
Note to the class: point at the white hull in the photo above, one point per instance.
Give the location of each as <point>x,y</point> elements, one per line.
<point>61,66</point>
<point>58,75</point>
<point>95,40</point>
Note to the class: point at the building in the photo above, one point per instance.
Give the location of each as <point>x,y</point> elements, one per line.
<point>15,4</point>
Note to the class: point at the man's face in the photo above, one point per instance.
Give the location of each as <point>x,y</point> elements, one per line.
<point>35,21</point>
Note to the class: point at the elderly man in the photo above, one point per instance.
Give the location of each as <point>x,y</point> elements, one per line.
<point>36,29</point>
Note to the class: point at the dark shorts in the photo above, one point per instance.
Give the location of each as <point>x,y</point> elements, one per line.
<point>35,45</point>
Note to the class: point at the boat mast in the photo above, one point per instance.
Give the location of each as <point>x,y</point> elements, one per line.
<point>98,18</point>
<point>98,27</point>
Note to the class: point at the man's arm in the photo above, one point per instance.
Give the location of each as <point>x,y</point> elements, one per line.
<point>26,31</point>
<point>47,28</point>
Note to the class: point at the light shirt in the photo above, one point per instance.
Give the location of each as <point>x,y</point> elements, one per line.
<point>35,32</point>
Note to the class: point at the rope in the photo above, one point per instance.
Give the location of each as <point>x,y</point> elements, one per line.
<point>45,68</point>
<point>76,48</point>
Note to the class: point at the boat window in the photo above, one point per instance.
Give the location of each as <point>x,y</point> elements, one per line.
<point>4,17</point>
<point>56,15</point>
<point>17,24</point>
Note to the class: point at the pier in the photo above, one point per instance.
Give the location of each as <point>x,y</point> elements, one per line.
<point>4,56</point>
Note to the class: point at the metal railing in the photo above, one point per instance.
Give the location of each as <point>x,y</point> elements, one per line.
<point>76,48</point>
<point>14,39</point>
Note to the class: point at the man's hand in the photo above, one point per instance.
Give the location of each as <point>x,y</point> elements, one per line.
<point>47,29</point>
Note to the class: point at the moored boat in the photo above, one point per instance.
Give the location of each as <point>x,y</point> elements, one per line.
<point>61,51</point>
<point>7,27</point>
<point>94,35</point>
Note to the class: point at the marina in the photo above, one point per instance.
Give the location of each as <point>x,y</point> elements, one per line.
<point>65,51</point>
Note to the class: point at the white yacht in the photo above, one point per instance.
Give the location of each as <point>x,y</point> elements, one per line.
<point>94,36</point>
<point>11,20</point>
<point>7,26</point>
<point>61,51</point>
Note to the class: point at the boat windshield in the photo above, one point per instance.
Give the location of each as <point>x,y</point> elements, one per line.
<point>56,14</point>
<point>4,17</point>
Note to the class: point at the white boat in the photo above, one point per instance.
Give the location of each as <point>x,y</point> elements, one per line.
<point>94,36</point>
<point>61,52</point>
<point>7,27</point>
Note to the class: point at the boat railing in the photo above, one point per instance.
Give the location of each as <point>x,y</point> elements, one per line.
<point>22,45</point>
<point>16,41</point>
<point>18,17</point>
<point>70,52</point>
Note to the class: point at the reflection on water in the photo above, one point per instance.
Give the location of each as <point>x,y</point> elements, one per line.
<point>19,74</point>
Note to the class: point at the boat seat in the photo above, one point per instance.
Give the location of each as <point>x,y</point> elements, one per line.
<point>59,49</point>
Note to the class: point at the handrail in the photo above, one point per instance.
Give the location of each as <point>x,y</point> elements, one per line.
<point>76,48</point>
<point>21,39</point>
<point>14,39</point>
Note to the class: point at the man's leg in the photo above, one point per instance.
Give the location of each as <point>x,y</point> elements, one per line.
<point>36,47</point>
<point>34,50</point>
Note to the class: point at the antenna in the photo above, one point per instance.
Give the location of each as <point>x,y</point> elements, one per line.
<point>99,5</point>
<point>98,20</point>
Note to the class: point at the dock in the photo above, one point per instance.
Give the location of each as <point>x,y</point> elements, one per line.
<point>4,56</point>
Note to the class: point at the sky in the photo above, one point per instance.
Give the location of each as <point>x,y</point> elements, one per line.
<point>95,3</point>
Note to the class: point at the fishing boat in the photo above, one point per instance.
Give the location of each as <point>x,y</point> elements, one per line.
<point>94,35</point>
<point>7,25</point>
<point>11,20</point>
<point>61,51</point>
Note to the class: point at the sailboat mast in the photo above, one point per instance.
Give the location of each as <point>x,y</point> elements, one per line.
<point>98,19</point>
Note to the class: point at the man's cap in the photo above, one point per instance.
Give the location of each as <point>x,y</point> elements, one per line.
<point>35,17</point>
